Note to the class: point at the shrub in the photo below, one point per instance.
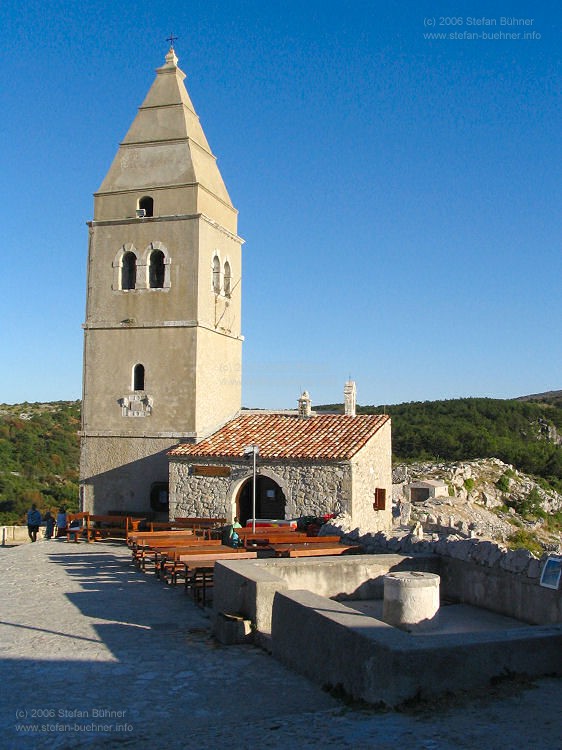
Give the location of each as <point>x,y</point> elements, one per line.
<point>468,485</point>
<point>503,483</point>
<point>529,507</point>
<point>522,539</point>
<point>553,522</point>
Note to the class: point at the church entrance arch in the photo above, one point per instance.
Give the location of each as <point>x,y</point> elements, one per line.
<point>270,499</point>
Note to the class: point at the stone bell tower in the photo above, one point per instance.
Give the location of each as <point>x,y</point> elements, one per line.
<point>162,341</point>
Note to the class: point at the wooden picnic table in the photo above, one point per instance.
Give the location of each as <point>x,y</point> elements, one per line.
<point>264,537</point>
<point>170,562</point>
<point>312,550</point>
<point>143,548</point>
<point>211,556</point>
<point>179,533</point>
<point>199,571</point>
<point>204,544</point>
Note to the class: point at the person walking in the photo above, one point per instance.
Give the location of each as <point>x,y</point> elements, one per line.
<point>33,522</point>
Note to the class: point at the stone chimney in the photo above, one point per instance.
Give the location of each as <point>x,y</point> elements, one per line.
<point>349,398</point>
<point>305,405</point>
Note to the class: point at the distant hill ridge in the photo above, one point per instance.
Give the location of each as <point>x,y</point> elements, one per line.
<point>547,397</point>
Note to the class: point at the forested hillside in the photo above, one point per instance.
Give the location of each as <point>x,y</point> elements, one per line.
<point>526,434</point>
<point>39,456</point>
<point>39,443</point>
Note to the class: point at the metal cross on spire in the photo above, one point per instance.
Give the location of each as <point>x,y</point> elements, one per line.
<point>172,39</point>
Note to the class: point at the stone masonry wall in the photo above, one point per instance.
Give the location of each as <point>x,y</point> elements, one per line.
<point>309,489</point>
<point>313,489</point>
<point>195,496</point>
<point>372,469</point>
<point>118,472</point>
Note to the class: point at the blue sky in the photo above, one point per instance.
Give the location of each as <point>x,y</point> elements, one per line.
<point>399,196</point>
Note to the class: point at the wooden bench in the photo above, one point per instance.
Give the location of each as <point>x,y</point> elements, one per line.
<point>169,526</point>
<point>199,522</point>
<point>147,548</point>
<point>134,523</point>
<point>167,562</point>
<point>265,538</point>
<point>155,538</point>
<point>109,526</point>
<point>134,537</point>
<point>171,563</point>
<point>95,527</point>
<point>199,572</point>
<point>83,529</point>
<point>198,581</point>
<point>269,530</point>
<point>314,550</point>
<point>201,526</point>
<point>263,535</point>
<point>143,545</point>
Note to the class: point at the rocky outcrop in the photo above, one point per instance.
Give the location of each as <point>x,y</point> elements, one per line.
<point>477,482</point>
<point>480,500</point>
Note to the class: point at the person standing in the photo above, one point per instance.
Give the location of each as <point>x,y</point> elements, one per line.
<point>62,523</point>
<point>234,538</point>
<point>33,522</point>
<point>49,522</point>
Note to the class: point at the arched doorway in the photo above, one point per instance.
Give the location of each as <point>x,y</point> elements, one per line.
<point>270,500</point>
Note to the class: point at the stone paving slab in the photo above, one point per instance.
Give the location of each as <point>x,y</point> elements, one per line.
<point>97,654</point>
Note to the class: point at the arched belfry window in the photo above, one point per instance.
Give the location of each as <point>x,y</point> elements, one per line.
<point>147,203</point>
<point>129,271</point>
<point>227,279</point>
<point>138,378</point>
<point>216,275</point>
<point>156,270</point>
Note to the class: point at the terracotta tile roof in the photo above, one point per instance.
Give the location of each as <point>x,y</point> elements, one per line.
<point>322,436</point>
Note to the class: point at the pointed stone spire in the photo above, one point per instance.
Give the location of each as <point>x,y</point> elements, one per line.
<point>165,147</point>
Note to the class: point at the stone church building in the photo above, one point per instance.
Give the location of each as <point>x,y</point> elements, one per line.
<point>307,466</point>
<point>162,426</point>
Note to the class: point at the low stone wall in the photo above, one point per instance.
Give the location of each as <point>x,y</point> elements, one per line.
<point>248,587</point>
<point>16,535</point>
<point>248,590</point>
<point>371,661</point>
<point>480,572</point>
<point>501,591</point>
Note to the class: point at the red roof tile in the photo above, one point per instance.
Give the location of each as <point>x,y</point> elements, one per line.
<point>284,436</point>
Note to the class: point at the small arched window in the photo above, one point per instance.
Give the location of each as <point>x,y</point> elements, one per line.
<point>129,271</point>
<point>156,270</point>
<point>216,275</point>
<point>227,279</point>
<point>147,203</point>
<point>138,378</point>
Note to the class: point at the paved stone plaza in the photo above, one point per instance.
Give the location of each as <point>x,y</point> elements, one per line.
<point>97,654</point>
